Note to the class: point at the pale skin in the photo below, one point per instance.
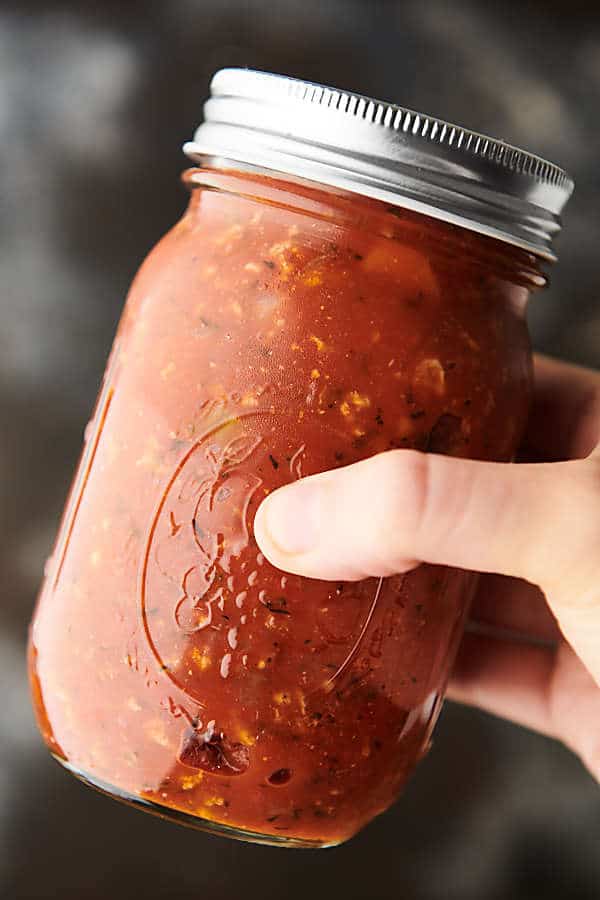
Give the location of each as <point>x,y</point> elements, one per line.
<point>532,650</point>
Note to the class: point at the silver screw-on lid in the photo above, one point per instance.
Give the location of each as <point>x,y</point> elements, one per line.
<point>384,151</point>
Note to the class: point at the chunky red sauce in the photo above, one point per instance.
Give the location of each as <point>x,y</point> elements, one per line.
<point>275,332</point>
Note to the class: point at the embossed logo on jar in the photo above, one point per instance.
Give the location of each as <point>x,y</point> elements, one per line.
<point>193,554</point>
<point>221,622</point>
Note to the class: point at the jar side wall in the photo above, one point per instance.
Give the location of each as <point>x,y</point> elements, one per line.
<point>261,343</point>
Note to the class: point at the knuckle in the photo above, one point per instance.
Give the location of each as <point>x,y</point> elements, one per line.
<point>400,506</point>
<point>568,557</point>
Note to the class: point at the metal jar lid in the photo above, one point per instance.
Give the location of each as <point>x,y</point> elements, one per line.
<point>384,151</point>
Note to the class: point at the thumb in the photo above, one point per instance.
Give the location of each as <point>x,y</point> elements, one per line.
<point>388,513</point>
<point>394,510</point>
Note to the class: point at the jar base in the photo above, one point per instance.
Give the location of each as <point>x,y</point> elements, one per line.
<point>181,818</point>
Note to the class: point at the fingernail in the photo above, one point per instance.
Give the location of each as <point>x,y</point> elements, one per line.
<point>291,518</point>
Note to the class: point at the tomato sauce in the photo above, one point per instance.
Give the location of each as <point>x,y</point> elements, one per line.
<point>277,331</point>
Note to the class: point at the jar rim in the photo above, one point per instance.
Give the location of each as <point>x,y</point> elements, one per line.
<point>383,151</point>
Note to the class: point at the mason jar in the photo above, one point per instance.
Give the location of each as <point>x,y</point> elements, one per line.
<point>349,277</point>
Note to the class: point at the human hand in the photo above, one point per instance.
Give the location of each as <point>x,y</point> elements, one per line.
<point>531,652</point>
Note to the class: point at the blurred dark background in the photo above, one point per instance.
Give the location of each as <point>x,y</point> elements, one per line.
<point>95,102</point>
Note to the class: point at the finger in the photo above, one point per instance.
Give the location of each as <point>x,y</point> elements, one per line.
<point>564,422</point>
<point>387,513</point>
<point>550,691</point>
<point>507,678</point>
<point>516,606</point>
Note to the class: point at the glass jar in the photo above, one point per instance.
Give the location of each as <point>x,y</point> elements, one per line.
<point>293,321</point>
